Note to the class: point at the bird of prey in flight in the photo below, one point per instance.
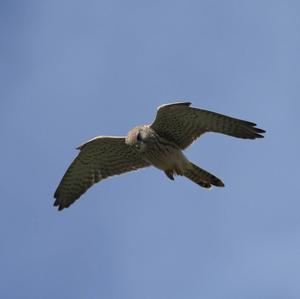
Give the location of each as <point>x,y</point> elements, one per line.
<point>159,144</point>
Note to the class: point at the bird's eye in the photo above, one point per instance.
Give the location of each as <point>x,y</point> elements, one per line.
<point>139,137</point>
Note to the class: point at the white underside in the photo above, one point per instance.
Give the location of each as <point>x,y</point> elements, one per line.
<point>174,160</point>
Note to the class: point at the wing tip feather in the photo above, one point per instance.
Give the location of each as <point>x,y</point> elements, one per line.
<point>258,133</point>
<point>59,201</point>
<point>60,206</point>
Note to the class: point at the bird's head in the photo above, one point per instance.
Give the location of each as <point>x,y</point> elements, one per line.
<point>140,137</point>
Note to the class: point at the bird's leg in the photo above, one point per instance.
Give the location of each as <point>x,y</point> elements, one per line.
<point>169,174</point>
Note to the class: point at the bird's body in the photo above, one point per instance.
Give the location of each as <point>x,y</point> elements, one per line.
<point>156,150</point>
<point>160,144</point>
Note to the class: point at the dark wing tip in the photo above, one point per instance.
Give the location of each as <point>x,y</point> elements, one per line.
<point>58,202</point>
<point>251,132</point>
<point>260,130</point>
<point>258,136</point>
<point>59,206</point>
<point>258,133</point>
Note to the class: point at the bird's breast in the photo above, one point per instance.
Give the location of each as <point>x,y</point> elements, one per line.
<point>165,156</point>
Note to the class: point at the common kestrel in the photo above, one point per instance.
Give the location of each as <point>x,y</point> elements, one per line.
<point>160,144</point>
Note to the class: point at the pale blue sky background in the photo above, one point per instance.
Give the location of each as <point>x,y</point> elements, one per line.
<point>71,70</point>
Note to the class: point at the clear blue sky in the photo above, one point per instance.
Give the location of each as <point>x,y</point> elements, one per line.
<point>72,70</point>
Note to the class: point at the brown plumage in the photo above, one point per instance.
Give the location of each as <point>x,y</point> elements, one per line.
<point>160,144</point>
<point>98,159</point>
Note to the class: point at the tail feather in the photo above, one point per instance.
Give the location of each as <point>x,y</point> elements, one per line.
<point>201,177</point>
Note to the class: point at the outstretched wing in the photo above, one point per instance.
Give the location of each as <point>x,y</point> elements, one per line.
<point>98,159</point>
<point>183,124</point>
